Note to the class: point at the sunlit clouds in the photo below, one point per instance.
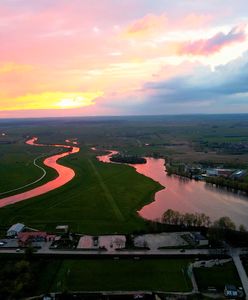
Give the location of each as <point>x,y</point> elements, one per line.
<point>107,57</point>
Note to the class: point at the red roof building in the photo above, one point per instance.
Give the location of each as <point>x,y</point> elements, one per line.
<point>26,238</point>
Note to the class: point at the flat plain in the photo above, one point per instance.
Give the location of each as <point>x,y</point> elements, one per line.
<point>104,198</point>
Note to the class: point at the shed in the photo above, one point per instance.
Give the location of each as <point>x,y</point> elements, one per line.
<point>15,229</point>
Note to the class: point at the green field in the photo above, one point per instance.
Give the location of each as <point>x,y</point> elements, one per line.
<point>217,277</point>
<point>104,198</point>
<point>101,198</point>
<point>153,274</point>
<point>46,275</point>
<point>18,168</point>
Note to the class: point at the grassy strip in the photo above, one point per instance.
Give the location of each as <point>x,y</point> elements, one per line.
<point>50,275</point>
<point>152,274</point>
<point>108,195</point>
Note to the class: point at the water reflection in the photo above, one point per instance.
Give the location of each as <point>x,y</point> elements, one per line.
<point>64,175</point>
<point>185,195</point>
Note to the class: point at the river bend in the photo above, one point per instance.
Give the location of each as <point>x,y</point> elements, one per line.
<point>65,174</point>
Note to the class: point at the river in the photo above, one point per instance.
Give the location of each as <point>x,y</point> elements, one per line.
<point>185,195</point>
<point>64,175</point>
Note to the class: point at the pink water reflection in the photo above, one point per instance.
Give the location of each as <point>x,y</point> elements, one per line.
<point>65,174</point>
<point>186,195</point>
<point>106,158</point>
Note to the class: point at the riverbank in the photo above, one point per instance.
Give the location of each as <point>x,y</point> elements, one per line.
<point>18,169</point>
<point>65,174</point>
<point>187,196</point>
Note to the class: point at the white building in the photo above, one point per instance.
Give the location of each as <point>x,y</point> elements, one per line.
<point>15,229</point>
<point>212,172</point>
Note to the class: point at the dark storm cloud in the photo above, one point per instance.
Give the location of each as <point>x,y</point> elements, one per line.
<point>229,80</point>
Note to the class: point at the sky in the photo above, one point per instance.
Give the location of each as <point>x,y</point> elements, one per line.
<point>122,57</point>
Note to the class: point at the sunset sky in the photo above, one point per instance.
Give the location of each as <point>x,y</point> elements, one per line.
<point>129,57</point>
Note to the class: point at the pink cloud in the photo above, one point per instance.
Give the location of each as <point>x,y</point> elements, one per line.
<point>215,43</point>
<point>147,25</point>
<point>152,24</point>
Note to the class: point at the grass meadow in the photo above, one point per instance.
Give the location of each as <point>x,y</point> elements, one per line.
<point>102,198</point>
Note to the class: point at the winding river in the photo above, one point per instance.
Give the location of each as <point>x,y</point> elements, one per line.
<point>65,175</point>
<point>185,195</point>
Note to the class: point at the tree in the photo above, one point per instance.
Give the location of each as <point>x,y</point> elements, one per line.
<point>242,228</point>
<point>168,216</point>
<point>189,219</point>
<point>225,223</point>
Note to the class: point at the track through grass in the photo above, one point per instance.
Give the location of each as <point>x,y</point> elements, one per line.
<point>109,196</point>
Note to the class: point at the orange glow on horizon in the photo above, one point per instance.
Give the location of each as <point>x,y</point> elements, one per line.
<point>50,100</point>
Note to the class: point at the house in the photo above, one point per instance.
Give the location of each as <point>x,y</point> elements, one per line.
<point>199,239</point>
<point>212,172</point>
<point>26,238</point>
<point>230,291</point>
<point>62,228</point>
<point>219,172</point>
<point>224,172</point>
<point>15,229</point>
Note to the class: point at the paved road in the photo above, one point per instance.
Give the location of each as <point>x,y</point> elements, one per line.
<point>239,266</point>
<point>192,278</point>
<point>165,252</point>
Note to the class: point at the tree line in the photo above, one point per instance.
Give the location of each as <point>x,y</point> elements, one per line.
<point>228,183</point>
<point>173,217</point>
<point>127,159</point>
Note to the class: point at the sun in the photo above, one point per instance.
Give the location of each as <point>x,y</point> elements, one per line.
<point>71,102</point>
<point>63,103</point>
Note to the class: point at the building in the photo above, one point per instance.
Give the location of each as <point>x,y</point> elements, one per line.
<point>211,172</point>
<point>225,172</point>
<point>27,238</point>
<point>219,172</point>
<point>15,229</point>
<point>199,239</point>
<point>62,228</point>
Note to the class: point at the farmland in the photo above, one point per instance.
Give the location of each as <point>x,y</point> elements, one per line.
<point>104,198</point>
<point>100,199</point>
